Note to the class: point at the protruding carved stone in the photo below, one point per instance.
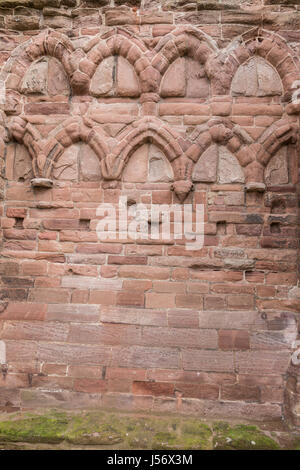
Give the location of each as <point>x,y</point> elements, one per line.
<point>41,183</point>
<point>255,187</point>
<point>182,189</point>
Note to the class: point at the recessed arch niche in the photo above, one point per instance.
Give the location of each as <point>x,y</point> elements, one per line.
<point>256,77</point>
<point>45,76</point>
<point>218,164</point>
<point>78,163</point>
<point>185,77</point>
<point>148,164</point>
<point>115,76</point>
<point>276,171</point>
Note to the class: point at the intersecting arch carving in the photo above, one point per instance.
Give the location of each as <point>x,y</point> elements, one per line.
<point>183,41</point>
<point>44,152</point>
<point>221,132</point>
<point>269,45</point>
<point>148,129</point>
<point>50,43</point>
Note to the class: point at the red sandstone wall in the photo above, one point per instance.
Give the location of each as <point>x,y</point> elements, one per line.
<point>103,102</point>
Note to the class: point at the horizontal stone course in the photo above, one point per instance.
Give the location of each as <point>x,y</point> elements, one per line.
<point>165,103</point>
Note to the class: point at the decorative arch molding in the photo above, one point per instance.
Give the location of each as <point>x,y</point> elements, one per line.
<point>142,131</point>
<point>183,41</point>
<point>53,44</point>
<point>222,67</point>
<point>77,130</point>
<point>25,133</point>
<point>223,132</point>
<point>118,42</point>
<point>49,43</point>
<point>45,152</point>
<point>278,134</point>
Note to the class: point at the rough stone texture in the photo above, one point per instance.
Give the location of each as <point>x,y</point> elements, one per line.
<point>256,78</point>
<point>165,103</point>
<point>277,169</point>
<point>229,170</point>
<point>206,168</point>
<point>98,429</point>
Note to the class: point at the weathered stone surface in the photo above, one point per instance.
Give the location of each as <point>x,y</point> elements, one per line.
<point>136,170</point>
<point>206,168</point>
<point>22,164</point>
<point>197,85</point>
<point>187,106</point>
<point>174,81</point>
<point>66,167</point>
<point>57,80</point>
<point>35,80</point>
<point>277,170</point>
<point>89,164</point>
<point>159,168</point>
<point>22,23</point>
<point>74,429</point>
<point>102,81</point>
<point>115,76</point>
<point>229,170</point>
<point>127,82</point>
<point>185,77</point>
<point>256,78</point>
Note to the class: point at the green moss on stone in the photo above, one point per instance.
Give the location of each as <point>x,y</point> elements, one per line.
<point>92,429</point>
<point>47,428</point>
<point>241,437</point>
<point>196,435</point>
<point>127,431</point>
<point>296,444</point>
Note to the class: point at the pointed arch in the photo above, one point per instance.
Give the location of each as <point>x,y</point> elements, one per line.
<point>53,44</point>
<point>183,41</point>
<point>257,41</point>
<point>143,131</point>
<point>120,43</point>
<point>71,132</point>
<point>25,133</point>
<point>49,43</point>
<point>222,132</point>
<point>45,152</point>
<point>278,134</point>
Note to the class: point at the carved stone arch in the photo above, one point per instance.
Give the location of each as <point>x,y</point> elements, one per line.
<point>278,134</point>
<point>143,131</point>
<point>120,43</point>
<point>269,45</point>
<point>222,132</point>
<point>25,133</point>
<point>183,41</point>
<point>54,44</point>
<point>49,43</point>
<point>44,152</point>
<point>73,131</point>
<point>256,77</point>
